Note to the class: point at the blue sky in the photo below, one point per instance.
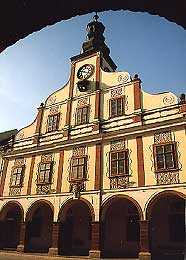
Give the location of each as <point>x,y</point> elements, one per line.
<point>36,66</point>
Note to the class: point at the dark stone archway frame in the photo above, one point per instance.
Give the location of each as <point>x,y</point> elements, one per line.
<point>19,18</point>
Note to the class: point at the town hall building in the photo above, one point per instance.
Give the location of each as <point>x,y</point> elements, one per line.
<point>101,171</point>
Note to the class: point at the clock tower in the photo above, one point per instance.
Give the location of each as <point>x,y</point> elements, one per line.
<point>95,43</point>
<point>87,70</point>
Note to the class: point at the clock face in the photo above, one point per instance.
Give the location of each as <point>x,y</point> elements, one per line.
<point>85,71</point>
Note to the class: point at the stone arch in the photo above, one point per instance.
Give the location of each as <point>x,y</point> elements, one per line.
<point>35,205</point>
<point>165,212</point>
<point>67,205</point>
<point>150,203</point>
<point>11,217</point>
<point>34,21</point>
<point>39,220</point>
<point>107,202</point>
<point>75,219</point>
<point>8,205</point>
<point>120,221</point>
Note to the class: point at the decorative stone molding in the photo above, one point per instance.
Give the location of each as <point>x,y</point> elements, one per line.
<point>116,92</point>
<point>83,102</point>
<point>43,189</point>
<point>46,158</point>
<point>19,162</point>
<point>77,188</point>
<point>117,145</point>
<point>163,137</point>
<point>14,191</point>
<point>119,182</point>
<point>51,100</point>
<point>19,136</point>
<point>79,151</point>
<point>54,110</point>
<point>124,78</point>
<point>168,100</point>
<point>167,178</point>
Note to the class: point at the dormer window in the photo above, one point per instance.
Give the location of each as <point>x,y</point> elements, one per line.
<point>53,122</point>
<point>116,106</point>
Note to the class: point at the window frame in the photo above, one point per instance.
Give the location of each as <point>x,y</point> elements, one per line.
<point>20,184</point>
<point>71,178</point>
<point>56,125</point>
<point>81,115</point>
<point>174,156</point>
<point>111,115</point>
<point>126,164</point>
<point>50,173</point>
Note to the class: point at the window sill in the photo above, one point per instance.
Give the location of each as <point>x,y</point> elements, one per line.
<point>43,183</point>
<point>118,176</point>
<point>16,186</point>
<point>167,170</point>
<point>77,180</point>
<point>112,117</point>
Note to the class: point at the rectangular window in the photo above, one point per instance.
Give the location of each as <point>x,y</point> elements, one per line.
<point>78,168</point>
<point>53,122</point>
<point>82,115</point>
<point>117,107</point>
<point>44,175</point>
<point>119,163</point>
<point>165,157</point>
<point>17,177</point>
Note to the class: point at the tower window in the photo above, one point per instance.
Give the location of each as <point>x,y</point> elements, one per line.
<point>165,157</point>
<point>53,122</point>
<point>82,115</point>
<point>78,168</point>
<point>117,107</point>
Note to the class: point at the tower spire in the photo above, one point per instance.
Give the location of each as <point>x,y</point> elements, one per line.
<point>95,39</point>
<point>95,42</point>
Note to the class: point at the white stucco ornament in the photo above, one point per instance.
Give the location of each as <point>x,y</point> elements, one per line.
<point>169,100</point>
<point>124,77</point>
<point>19,136</point>
<point>51,100</point>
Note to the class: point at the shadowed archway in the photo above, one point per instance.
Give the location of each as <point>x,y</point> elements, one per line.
<point>75,219</point>
<point>22,17</point>
<point>39,221</point>
<point>121,217</point>
<point>11,216</point>
<point>166,215</point>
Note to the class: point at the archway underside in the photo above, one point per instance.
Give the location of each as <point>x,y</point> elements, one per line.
<point>23,17</point>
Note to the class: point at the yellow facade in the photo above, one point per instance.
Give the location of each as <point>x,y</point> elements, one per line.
<point>144,116</point>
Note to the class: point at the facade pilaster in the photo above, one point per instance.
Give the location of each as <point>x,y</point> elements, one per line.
<point>53,250</point>
<point>95,251</point>
<point>144,253</point>
<point>21,246</point>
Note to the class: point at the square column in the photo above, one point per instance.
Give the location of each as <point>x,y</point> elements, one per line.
<point>53,250</point>
<point>144,253</point>
<point>21,246</point>
<point>95,251</point>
